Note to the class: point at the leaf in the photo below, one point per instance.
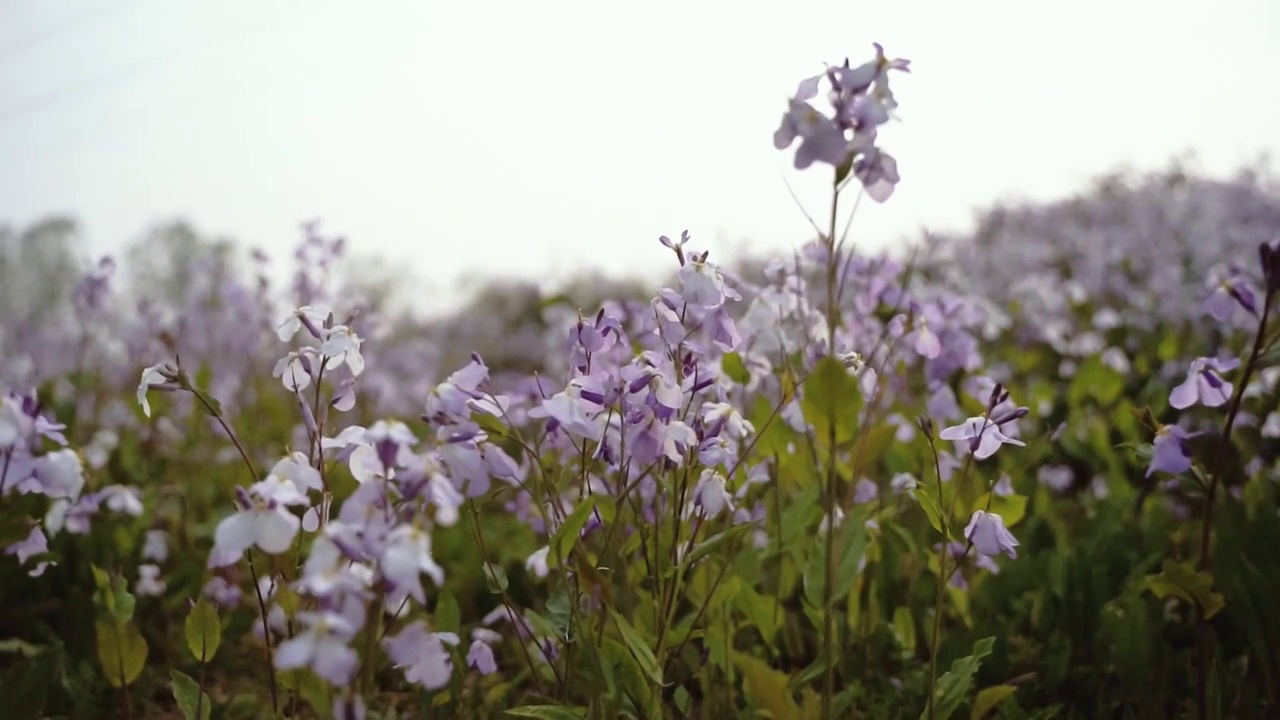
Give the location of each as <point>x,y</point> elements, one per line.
<point>832,401</point>
<point>548,712</point>
<point>189,697</point>
<point>904,629</point>
<point>210,405</point>
<point>734,368</point>
<point>203,629</point>
<point>953,686</point>
<point>850,545</point>
<point>288,600</point>
<point>495,576</point>
<point>1183,581</point>
<point>1094,380</point>
<point>772,436</point>
<point>766,688</point>
<point>1010,508</point>
<point>761,611</point>
<point>988,699</point>
<point>715,542</point>
<point>448,614</point>
<point>638,647</point>
<point>113,594</point>
<point>566,536</point>
<point>121,650</point>
<point>929,503</point>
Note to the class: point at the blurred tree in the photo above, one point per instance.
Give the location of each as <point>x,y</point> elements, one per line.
<point>172,261</point>
<point>39,265</point>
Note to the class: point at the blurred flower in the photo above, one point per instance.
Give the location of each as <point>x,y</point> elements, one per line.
<point>1204,384</point>
<point>422,655</point>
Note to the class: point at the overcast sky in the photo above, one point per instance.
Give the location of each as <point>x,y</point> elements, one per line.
<point>537,138</point>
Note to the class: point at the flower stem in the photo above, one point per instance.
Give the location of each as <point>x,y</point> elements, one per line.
<point>1211,493</point>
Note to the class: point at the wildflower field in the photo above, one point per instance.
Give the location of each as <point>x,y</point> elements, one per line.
<point>1029,472</point>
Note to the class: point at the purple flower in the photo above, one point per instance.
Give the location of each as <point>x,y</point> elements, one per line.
<point>989,535</point>
<point>1170,451</point>
<point>864,492</point>
<point>480,654</point>
<point>981,436</point>
<point>820,139</point>
<point>1204,384</point>
<point>1230,290</point>
<point>264,521</point>
<point>34,544</point>
<point>322,646</point>
<point>422,654</point>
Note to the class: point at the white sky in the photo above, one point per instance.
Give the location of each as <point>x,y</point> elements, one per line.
<point>538,138</point>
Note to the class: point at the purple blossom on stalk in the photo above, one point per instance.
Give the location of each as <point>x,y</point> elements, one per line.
<point>422,655</point>
<point>981,436</point>
<point>34,544</point>
<point>703,285</point>
<point>989,536</point>
<point>1204,384</point>
<point>323,647</point>
<point>1230,289</point>
<point>1170,451</point>
<point>480,654</point>
<point>860,101</point>
<point>162,377</point>
<point>406,556</point>
<point>264,520</point>
<point>451,400</point>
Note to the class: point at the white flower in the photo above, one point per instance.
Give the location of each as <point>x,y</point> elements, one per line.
<point>156,376</point>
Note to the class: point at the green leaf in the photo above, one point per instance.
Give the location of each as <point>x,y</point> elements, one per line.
<point>1183,581</point>
<point>495,576</point>
<point>904,629</point>
<point>929,503</point>
<point>766,688</point>
<point>189,697</point>
<point>203,630</point>
<point>448,614</point>
<point>734,368</point>
<point>121,650</point>
<point>832,401</point>
<point>762,611</point>
<point>850,545</point>
<point>953,686</point>
<point>548,712</point>
<point>988,699</point>
<point>773,436</point>
<point>566,536</point>
<point>210,404</point>
<point>1010,508</point>
<point>1094,380</point>
<point>715,542</point>
<point>288,600</point>
<point>639,648</point>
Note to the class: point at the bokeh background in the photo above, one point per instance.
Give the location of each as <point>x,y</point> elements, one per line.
<point>451,142</point>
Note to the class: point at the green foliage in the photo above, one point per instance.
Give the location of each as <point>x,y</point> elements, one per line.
<point>193,702</point>
<point>953,687</point>
<point>203,631</point>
